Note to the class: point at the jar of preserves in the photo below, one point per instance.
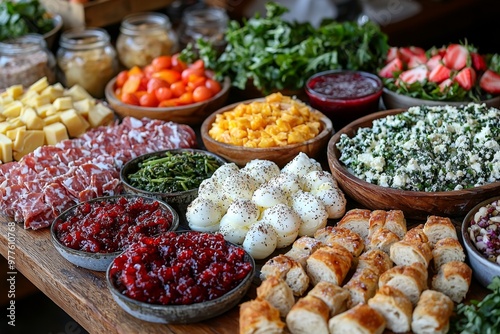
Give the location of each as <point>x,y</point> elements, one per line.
<point>208,23</point>
<point>87,58</point>
<point>143,37</point>
<point>25,60</point>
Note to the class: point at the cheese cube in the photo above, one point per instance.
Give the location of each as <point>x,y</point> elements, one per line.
<point>46,110</point>
<point>54,133</point>
<point>78,93</point>
<point>16,122</point>
<point>13,109</point>
<point>51,119</point>
<point>39,100</point>
<point>4,100</point>
<point>31,119</point>
<point>12,134</point>
<point>53,92</point>
<point>5,126</point>
<point>74,122</point>
<point>28,97</point>
<point>40,85</point>
<point>15,91</point>
<point>100,115</point>
<point>63,103</point>
<point>5,148</point>
<point>28,142</point>
<point>84,106</point>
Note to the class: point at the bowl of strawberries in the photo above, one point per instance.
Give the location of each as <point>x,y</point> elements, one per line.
<point>455,74</point>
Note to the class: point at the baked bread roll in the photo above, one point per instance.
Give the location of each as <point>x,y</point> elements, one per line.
<point>437,228</point>
<point>432,313</point>
<point>406,252</point>
<point>357,220</point>
<point>395,221</point>
<point>302,248</point>
<point>447,250</point>
<point>342,236</point>
<point>376,221</point>
<point>408,279</point>
<point>361,319</point>
<point>329,263</point>
<point>416,234</point>
<point>258,316</point>
<point>333,295</point>
<point>375,259</point>
<point>453,279</point>
<point>277,293</point>
<point>288,269</point>
<point>395,307</point>
<point>382,239</point>
<point>362,286</point>
<point>308,315</point>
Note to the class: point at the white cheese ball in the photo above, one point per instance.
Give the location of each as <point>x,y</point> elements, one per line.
<point>285,221</point>
<point>223,172</point>
<point>266,196</point>
<point>311,211</point>
<point>315,179</point>
<point>238,186</point>
<point>301,165</point>
<point>234,233</point>
<point>261,240</point>
<point>333,199</point>
<point>203,215</point>
<point>261,170</point>
<point>209,189</point>
<point>242,212</point>
<point>289,183</point>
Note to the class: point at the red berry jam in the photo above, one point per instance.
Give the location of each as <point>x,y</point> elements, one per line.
<point>179,268</point>
<point>106,226</point>
<point>344,85</point>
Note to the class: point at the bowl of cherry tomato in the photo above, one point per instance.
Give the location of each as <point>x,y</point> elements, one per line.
<point>167,89</point>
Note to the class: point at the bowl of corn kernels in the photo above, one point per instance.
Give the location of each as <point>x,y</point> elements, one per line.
<point>276,127</point>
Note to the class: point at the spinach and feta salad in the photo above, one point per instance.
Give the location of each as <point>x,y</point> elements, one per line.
<point>18,18</point>
<point>274,54</point>
<point>428,149</point>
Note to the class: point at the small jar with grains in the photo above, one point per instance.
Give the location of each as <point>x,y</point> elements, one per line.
<point>25,60</point>
<point>143,37</point>
<point>87,58</point>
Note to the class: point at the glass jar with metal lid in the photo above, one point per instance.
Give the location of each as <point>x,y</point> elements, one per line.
<point>87,58</point>
<point>25,60</point>
<point>143,37</point>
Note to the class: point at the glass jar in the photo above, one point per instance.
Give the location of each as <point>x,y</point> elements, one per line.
<point>208,23</point>
<point>25,60</point>
<point>143,37</point>
<point>87,58</point>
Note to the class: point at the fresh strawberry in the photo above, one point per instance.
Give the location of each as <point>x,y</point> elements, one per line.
<point>408,52</point>
<point>395,65</point>
<point>441,51</point>
<point>445,84</point>
<point>466,78</point>
<point>419,73</point>
<point>478,62</point>
<point>392,53</point>
<point>490,82</point>
<point>416,60</point>
<point>434,61</point>
<point>456,56</point>
<point>439,73</point>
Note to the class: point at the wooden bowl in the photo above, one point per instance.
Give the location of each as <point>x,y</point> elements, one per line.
<point>415,204</point>
<point>280,155</point>
<point>191,114</point>
<point>393,100</point>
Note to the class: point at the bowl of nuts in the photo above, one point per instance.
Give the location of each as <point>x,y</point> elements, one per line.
<point>275,128</point>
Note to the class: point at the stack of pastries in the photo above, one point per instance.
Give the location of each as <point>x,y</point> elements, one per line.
<point>366,274</point>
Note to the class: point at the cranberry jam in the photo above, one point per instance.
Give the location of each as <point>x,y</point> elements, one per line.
<point>107,225</point>
<point>179,268</point>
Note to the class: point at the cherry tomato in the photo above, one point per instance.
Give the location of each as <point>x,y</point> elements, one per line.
<point>134,70</point>
<point>201,93</point>
<point>148,71</point>
<point>213,85</point>
<point>178,88</point>
<point>132,84</point>
<point>190,74</point>
<point>186,98</point>
<point>121,78</point>
<point>195,82</point>
<point>163,93</point>
<point>198,64</point>
<point>155,83</point>
<point>130,98</point>
<point>162,63</point>
<point>169,103</point>
<point>169,76</point>
<point>178,64</point>
<point>148,100</point>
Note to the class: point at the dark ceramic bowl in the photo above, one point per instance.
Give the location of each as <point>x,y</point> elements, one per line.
<point>97,261</point>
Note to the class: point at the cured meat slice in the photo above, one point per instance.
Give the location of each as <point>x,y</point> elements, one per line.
<point>57,198</point>
<point>35,212</point>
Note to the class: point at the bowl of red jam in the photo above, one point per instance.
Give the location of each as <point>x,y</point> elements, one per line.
<point>344,95</point>
<point>91,234</point>
<point>180,277</point>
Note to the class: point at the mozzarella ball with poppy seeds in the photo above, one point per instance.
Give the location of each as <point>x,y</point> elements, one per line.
<point>333,199</point>
<point>261,240</point>
<point>261,170</point>
<point>301,165</point>
<point>210,190</point>
<point>313,180</point>
<point>289,183</point>
<point>223,172</point>
<point>242,212</point>
<point>203,215</point>
<point>311,211</point>
<point>238,185</point>
<point>232,232</point>
<point>286,223</point>
<point>266,196</point>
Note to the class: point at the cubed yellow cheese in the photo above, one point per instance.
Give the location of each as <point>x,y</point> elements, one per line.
<point>54,133</point>
<point>53,92</point>
<point>78,93</point>
<point>51,119</point>
<point>16,122</point>
<point>15,91</point>
<point>46,110</point>
<point>63,103</point>
<point>38,100</point>
<point>13,109</point>
<point>74,122</point>
<point>5,126</point>
<point>39,85</point>
<point>100,115</point>
<point>18,142</point>
<point>5,100</point>
<point>31,140</point>
<point>31,119</point>
<point>13,133</point>
<point>28,97</point>
<point>5,148</point>
<point>84,106</point>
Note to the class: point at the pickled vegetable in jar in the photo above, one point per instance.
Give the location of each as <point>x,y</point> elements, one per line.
<point>24,60</point>
<point>143,37</point>
<point>87,58</point>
